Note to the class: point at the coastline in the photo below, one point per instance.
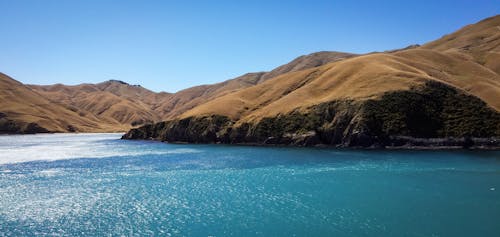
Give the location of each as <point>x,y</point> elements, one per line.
<point>427,117</point>
<point>480,144</point>
<point>429,143</point>
<point>59,133</point>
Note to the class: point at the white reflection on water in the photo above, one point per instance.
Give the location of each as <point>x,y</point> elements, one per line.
<point>50,147</point>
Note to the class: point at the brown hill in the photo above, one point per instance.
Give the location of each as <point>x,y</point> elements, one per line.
<point>438,75</point>
<point>112,100</point>
<point>187,99</point>
<point>341,90</point>
<point>364,77</point>
<point>116,106</point>
<point>131,105</point>
<point>478,42</point>
<point>25,111</point>
<point>372,75</point>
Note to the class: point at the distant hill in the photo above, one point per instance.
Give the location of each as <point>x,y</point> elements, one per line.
<point>115,105</point>
<point>23,110</point>
<point>110,100</point>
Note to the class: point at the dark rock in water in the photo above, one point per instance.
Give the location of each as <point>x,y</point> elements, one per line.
<point>435,115</point>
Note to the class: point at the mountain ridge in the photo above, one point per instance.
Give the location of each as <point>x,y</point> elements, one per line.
<point>119,106</point>
<point>439,73</point>
<point>325,97</point>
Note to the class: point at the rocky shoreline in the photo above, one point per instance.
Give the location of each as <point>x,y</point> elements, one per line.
<point>450,143</point>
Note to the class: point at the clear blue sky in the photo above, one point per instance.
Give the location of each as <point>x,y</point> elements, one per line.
<point>172,45</point>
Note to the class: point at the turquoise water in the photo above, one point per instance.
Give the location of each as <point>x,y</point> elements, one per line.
<point>98,185</point>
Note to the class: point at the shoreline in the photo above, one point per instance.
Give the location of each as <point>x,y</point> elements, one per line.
<point>431,143</point>
<point>340,146</point>
<point>51,133</point>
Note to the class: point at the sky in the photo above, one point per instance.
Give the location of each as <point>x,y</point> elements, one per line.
<point>173,45</point>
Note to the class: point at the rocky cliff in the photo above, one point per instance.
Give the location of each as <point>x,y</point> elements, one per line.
<point>434,114</point>
<point>444,93</point>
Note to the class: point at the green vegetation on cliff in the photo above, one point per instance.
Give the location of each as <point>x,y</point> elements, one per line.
<point>436,110</point>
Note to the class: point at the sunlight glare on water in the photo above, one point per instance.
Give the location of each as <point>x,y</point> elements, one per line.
<point>99,185</point>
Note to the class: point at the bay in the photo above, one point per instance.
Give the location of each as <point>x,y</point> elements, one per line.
<point>99,185</point>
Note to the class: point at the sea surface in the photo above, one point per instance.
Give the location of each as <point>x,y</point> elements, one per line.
<point>99,185</point>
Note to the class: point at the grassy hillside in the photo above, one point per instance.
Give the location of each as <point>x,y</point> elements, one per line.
<point>110,101</point>
<point>446,88</point>
<point>465,62</point>
<point>25,111</point>
<point>190,98</point>
<point>357,78</point>
<point>117,106</point>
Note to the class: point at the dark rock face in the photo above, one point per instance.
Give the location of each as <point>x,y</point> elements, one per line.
<point>8,126</point>
<point>434,115</point>
<point>192,130</point>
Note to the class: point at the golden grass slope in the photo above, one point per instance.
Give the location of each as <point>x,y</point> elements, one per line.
<point>479,42</point>
<point>110,101</point>
<point>21,104</point>
<point>187,99</point>
<point>466,61</point>
<point>118,104</point>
